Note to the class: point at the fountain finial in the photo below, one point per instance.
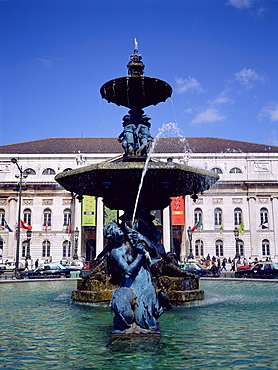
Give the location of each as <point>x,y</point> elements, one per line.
<point>135,67</point>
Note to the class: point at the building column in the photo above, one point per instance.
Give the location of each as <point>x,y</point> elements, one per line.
<point>77,222</point>
<point>167,229</point>
<point>275,225</point>
<point>99,226</point>
<point>253,227</point>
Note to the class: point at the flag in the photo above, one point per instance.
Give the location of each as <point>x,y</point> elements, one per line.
<point>6,226</point>
<point>197,225</point>
<point>221,228</point>
<point>69,227</point>
<point>264,225</point>
<point>241,228</point>
<point>24,225</point>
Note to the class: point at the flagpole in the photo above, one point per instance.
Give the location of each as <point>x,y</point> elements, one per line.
<point>19,188</point>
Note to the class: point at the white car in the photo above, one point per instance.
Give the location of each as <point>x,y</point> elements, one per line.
<point>75,265</point>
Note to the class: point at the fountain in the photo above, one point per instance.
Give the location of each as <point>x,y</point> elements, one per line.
<point>134,269</point>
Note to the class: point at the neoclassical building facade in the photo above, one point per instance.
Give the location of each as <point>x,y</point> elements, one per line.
<point>245,197</point>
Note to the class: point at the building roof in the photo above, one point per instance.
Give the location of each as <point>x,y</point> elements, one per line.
<point>110,145</point>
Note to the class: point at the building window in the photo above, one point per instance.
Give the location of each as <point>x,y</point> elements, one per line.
<point>1,247</point>
<point>66,248</point>
<point>199,248</point>
<point>48,171</point>
<point>240,248</point>
<point>264,218</point>
<point>219,248</point>
<point>25,246</point>
<point>46,248</point>
<point>29,171</point>
<point>67,217</point>
<point>217,170</point>
<point>2,217</point>
<point>198,216</point>
<point>235,170</point>
<point>237,216</point>
<point>47,217</point>
<point>67,169</point>
<point>27,216</point>
<point>217,217</point>
<point>265,248</point>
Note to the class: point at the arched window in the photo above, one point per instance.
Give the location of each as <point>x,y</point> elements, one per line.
<point>217,217</point>
<point>66,248</point>
<point>199,248</point>
<point>219,248</point>
<point>29,171</point>
<point>67,217</point>
<point>198,216</point>
<point>1,247</point>
<point>67,169</point>
<point>46,248</point>
<point>237,216</point>
<point>235,170</point>
<point>47,217</point>
<point>264,218</point>
<point>27,216</point>
<point>265,248</point>
<point>240,248</point>
<point>217,170</point>
<point>25,246</point>
<point>48,171</point>
<point>2,217</point>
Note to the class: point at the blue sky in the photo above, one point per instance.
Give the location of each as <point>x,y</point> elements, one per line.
<point>219,56</point>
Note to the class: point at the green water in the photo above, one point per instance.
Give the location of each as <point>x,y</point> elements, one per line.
<point>234,327</point>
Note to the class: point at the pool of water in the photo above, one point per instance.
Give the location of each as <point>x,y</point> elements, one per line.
<point>234,327</point>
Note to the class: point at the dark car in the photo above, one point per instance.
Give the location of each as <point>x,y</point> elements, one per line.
<point>261,270</point>
<point>195,268</point>
<point>46,270</point>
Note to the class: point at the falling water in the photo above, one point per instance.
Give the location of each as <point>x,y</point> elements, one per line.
<point>165,130</point>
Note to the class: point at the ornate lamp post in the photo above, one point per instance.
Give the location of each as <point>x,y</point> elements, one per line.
<point>29,235</point>
<point>236,234</point>
<point>18,188</point>
<point>76,234</point>
<point>189,233</point>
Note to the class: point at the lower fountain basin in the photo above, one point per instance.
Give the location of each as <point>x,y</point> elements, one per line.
<point>118,182</point>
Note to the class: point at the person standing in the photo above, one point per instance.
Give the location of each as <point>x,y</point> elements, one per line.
<point>224,264</point>
<point>26,264</point>
<point>36,263</point>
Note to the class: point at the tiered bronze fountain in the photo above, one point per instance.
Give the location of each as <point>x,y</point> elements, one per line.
<point>133,271</point>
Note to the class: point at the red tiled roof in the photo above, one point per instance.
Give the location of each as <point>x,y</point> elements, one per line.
<point>110,145</point>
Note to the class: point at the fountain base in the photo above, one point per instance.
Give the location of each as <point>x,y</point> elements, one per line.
<point>99,288</point>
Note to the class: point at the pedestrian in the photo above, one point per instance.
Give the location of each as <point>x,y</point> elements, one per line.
<point>233,266</point>
<point>224,264</point>
<point>214,270</point>
<point>219,264</point>
<point>26,264</point>
<point>244,261</point>
<point>36,263</point>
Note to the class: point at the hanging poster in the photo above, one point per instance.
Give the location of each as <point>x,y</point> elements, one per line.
<point>177,210</point>
<point>89,210</point>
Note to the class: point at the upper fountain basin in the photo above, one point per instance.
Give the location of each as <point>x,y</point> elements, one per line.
<point>136,91</point>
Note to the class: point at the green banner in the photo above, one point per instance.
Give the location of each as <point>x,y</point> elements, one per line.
<point>89,210</point>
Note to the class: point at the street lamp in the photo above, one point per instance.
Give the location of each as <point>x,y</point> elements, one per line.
<point>29,235</point>
<point>18,188</point>
<point>236,234</point>
<point>189,233</point>
<point>76,234</point>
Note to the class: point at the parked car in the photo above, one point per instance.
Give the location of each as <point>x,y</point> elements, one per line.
<point>46,270</point>
<point>261,270</point>
<point>10,266</point>
<point>195,268</point>
<point>75,265</point>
